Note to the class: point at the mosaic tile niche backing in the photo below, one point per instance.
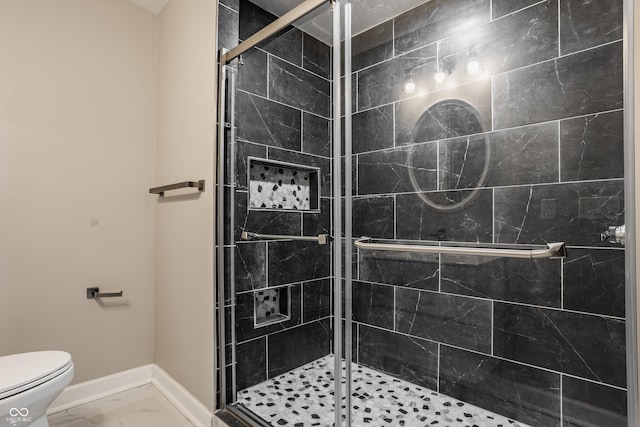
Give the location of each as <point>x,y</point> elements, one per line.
<point>278,186</point>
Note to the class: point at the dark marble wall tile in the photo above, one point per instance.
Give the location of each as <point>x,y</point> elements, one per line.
<point>503,7</point>
<point>437,19</point>
<point>299,88</point>
<point>245,321</point>
<point>252,72</point>
<point>314,224</point>
<point>298,158</point>
<point>408,269</point>
<point>265,222</point>
<point>227,28</point>
<point>471,223</point>
<point>372,46</point>
<point>286,44</point>
<point>316,135</point>
<point>373,304</point>
<point>524,155</point>
<point>589,23</point>
<point>250,267</point>
<point>458,111</point>
<point>464,162</point>
<point>460,321</point>
<point>251,363</point>
<point>316,299</point>
<point>560,88</point>
<point>373,129</point>
<point>525,394</point>
<point>589,404</point>
<point>395,170</point>
<point>592,147</point>
<point>562,341</point>
<point>233,4</point>
<point>517,40</point>
<point>594,281</point>
<point>574,213</point>
<point>267,122</point>
<point>316,56</point>
<point>373,217</point>
<point>520,280</point>
<point>295,347</point>
<point>384,83</point>
<point>244,150</point>
<point>411,359</point>
<point>293,261</point>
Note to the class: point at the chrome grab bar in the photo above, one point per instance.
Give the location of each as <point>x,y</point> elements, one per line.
<point>321,239</point>
<point>552,250</point>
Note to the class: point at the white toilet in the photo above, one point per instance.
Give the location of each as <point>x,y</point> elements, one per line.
<point>29,382</point>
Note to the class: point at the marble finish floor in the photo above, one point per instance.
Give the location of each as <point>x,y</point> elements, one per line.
<point>142,406</point>
<point>303,397</point>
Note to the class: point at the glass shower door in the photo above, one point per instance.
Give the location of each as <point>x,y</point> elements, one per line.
<point>477,124</point>
<point>278,198</point>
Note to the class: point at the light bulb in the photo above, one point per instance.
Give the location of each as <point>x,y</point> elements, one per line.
<point>409,87</point>
<point>440,76</point>
<point>473,67</point>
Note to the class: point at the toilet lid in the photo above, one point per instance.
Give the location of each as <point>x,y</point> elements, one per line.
<point>17,370</point>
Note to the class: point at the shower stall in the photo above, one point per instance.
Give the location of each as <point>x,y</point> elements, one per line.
<point>421,213</point>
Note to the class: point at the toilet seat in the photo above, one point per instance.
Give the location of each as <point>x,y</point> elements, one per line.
<point>20,372</point>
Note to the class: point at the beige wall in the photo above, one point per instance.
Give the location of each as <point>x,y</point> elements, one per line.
<point>77,130</point>
<point>184,224</point>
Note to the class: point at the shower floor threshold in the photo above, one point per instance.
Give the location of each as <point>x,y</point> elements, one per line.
<point>304,397</point>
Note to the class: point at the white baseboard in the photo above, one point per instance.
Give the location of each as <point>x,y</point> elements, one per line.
<point>185,402</point>
<point>81,393</point>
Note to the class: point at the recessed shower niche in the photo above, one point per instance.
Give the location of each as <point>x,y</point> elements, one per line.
<point>271,306</point>
<point>283,186</point>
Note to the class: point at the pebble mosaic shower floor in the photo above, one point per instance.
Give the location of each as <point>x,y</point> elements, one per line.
<point>304,397</point>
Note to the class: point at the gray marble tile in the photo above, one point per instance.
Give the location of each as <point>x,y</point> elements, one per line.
<point>411,359</point>
<point>252,72</point>
<point>293,261</point>
<point>251,362</point>
<point>384,83</point>
<point>316,56</point>
<point>524,38</point>
<point>398,170</point>
<point>373,217</point>
<point>142,406</point>
<point>592,147</point>
<point>502,7</point>
<point>408,269</point>
<point>524,155</point>
<point>471,222</point>
<point>227,28</point>
<point>560,88</point>
<point>589,23</point>
<point>594,281</point>
<point>372,46</point>
<point>526,394</point>
<point>528,281</point>
<point>266,122</point>
<point>450,319</point>
<point>316,135</point>
<point>373,304</point>
<point>588,403</point>
<point>574,213</point>
<point>373,129</point>
<point>562,341</point>
<point>438,19</point>
<point>298,88</point>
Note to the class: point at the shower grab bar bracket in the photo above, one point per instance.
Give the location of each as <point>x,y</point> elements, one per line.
<point>93,293</point>
<point>321,239</point>
<point>552,250</point>
<point>186,184</point>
